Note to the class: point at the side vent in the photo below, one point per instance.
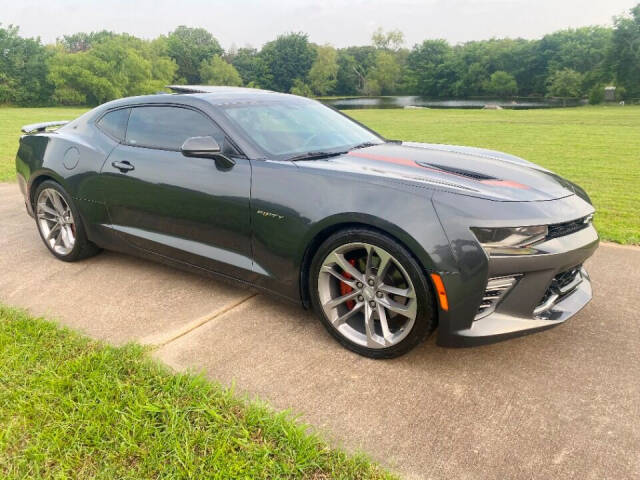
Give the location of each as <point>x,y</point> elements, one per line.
<point>496,290</point>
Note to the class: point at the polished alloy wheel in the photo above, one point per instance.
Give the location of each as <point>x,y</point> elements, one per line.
<point>55,221</point>
<point>367,295</point>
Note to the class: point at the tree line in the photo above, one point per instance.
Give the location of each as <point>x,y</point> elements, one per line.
<point>91,68</point>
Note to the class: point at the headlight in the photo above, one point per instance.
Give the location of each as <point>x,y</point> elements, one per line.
<point>509,239</point>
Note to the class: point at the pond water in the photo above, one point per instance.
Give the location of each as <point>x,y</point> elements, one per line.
<point>409,101</point>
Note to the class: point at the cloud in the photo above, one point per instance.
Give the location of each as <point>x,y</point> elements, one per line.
<point>338,22</point>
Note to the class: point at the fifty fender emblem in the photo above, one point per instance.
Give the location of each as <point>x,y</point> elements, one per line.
<point>270,214</point>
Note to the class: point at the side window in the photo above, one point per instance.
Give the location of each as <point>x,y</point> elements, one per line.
<point>115,123</point>
<point>168,127</point>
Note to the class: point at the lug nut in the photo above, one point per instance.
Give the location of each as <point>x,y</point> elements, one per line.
<point>359,284</point>
<point>379,294</point>
<point>370,282</point>
<point>360,298</point>
<point>372,304</point>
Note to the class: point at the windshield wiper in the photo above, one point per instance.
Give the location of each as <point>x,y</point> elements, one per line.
<point>323,154</point>
<point>315,155</point>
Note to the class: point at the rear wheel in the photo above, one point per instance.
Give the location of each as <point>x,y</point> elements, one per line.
<point>59,223</point>
<point>371,294</point>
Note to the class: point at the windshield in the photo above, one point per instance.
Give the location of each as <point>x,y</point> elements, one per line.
<point>289,129</point>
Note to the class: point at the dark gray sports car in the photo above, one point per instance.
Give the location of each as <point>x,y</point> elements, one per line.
<point>387,240</point>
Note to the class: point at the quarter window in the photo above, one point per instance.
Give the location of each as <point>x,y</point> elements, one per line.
<point>115,123</point>
<point>168,127</point>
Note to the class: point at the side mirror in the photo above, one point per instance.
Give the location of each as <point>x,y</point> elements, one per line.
<point>205,147</point>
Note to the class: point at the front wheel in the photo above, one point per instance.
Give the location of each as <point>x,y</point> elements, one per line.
<point>371,294</point>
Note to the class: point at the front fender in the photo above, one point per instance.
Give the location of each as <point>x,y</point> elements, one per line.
<point>292,207</point>
<point>345,219</point>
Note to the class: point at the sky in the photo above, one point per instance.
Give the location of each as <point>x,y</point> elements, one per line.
<point>337,22</point>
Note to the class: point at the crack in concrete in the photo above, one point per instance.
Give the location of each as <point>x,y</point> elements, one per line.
<point>196,324</point>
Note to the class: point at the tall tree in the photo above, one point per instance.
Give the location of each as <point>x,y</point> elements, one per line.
<point>81,41</point>
<point>348,78</point>
<point>23,69</point>
<point>502,84</point>
<point>216,71</point>
<point>354,64</point>
<point>251,67</point>
<point>324,71</point>
<point>432,65</point>
<point>189,47</point>
<point>391,40</point>
<point>116,67</point>
<point>565,83</point>
<point>288,57</point>
<point>385,74</point>
<point>624,54</point>
<point>91,67</point>
<point>580,49</point>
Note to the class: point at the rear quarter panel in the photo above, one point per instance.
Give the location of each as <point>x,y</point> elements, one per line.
<point>73,157</point>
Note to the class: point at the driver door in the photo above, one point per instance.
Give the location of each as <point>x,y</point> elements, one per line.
<point>189,209</point>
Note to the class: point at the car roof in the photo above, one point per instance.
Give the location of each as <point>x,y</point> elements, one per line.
<point>198,94</point>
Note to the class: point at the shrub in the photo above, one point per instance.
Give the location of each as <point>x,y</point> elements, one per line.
<point>301,88</point>
<point>596,95</point>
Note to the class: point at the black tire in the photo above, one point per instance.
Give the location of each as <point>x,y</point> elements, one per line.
<point>426,318</point>
<point>83,248</point>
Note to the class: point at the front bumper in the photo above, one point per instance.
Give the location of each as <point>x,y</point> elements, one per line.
<point>501,326</point>
<point>546,287</point>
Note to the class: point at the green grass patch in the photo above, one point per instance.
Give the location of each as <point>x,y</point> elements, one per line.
<point>71,407</point>
<point>596,147</point>
<point>12,119</point>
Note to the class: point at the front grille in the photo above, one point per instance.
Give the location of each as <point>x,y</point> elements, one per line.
<point>496,290</point>
<point>561,285</point>
<point>567,228</point>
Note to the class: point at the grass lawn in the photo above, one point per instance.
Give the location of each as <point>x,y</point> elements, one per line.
<point>11,119</point>
<point>71,407</point>
<point>597,147</point>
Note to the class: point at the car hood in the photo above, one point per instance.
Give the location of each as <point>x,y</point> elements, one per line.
<point>465,170</point>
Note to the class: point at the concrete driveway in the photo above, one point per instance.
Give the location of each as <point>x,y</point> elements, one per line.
<point>564,403</point>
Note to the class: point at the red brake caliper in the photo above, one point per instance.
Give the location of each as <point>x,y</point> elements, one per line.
<point>344,288</point>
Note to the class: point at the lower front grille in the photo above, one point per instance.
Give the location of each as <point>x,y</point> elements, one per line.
<point>496,290</point>
<point>561,285</point>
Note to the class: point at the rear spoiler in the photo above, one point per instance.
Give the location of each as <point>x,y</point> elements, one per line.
<point>41,127</point>
<point>212,89</point>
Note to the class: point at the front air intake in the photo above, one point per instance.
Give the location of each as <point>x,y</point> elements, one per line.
<point>561,285</point>
<point>496,290</point>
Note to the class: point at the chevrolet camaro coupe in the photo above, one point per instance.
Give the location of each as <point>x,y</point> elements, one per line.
<point>385,240</point>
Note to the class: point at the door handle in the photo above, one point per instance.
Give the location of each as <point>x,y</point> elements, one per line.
<point>123,166</point>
